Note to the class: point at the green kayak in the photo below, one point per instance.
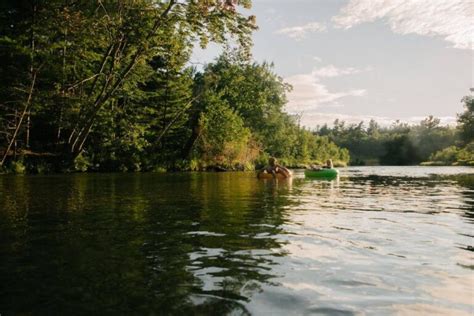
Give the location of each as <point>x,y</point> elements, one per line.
<point>322,173</point>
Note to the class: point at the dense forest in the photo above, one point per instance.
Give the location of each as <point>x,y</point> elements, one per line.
<point>428,142</point>
<point>108,86</point>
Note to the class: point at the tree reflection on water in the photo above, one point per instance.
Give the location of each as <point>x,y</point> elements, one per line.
<point>209,243</point>
<point>137,243</point>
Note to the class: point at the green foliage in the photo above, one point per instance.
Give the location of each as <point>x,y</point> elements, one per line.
<point>453,155</point>
<point>18,167</point>
<point>257,95</point>
<point>466,120</point>
<point>41,167</point>
<point>224,139</point>
<point>70,67</point>
<point>464,153</point>
<point>398,144</point>
<point>81,163</point>
<point>400,151</point>
<point>449,155</point>
<point>105,86</point>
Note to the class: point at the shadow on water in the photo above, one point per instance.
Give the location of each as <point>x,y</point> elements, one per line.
<point>196,243</point>
<point>467,181</point>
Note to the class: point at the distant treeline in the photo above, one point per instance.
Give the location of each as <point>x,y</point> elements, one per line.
<point>402,144</point>
<point>107,86</point>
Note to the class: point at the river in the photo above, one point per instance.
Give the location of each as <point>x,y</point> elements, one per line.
<point>376,241</point>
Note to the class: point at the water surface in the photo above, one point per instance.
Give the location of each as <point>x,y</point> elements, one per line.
<point>379,240</point>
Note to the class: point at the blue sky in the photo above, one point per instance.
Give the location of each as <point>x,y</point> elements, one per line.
<point>362,59</point>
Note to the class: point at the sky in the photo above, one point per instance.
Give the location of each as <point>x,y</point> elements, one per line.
<point>361,59</point>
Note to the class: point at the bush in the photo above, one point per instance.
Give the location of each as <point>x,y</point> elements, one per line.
<point>18,167</point>
<point>466,155</point>
<point>225,141</point>
<point>448,155</point>
<point>81,163</point>
<point>42,167</point>
<point>453,156</point>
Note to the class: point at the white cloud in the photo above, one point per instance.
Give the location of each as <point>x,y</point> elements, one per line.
<point>310,93</point>
<point>317,59</point>
<point>300,32</point>
<point>333,71</point>
<point>450,19</point>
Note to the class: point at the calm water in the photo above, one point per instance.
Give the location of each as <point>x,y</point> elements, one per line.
<point>377,241</point>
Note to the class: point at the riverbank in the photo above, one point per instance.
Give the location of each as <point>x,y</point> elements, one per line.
<point>446,163</point>
<point>42,165</point>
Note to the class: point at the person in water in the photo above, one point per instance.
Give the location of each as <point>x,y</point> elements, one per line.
<point>329,165</point>
<point>273,168</point>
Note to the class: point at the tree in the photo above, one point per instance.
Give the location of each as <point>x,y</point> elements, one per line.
<point>374,128</point>
<point>430,123</point>
<point>466,120</point>
<point>224,141</point>
<point>105,85</point>
<point>252,90</point>
<point>400,151</point>
<point>88,55</point>
<point>397,143</point>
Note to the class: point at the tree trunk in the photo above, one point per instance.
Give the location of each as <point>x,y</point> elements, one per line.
<point>79,135</point>
<point>195,134</point>
<point>20,120</point>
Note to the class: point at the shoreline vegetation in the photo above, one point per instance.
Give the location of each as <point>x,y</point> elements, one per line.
<point>104,86</point>
<point>427,143</point>
<point>107,87</point>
